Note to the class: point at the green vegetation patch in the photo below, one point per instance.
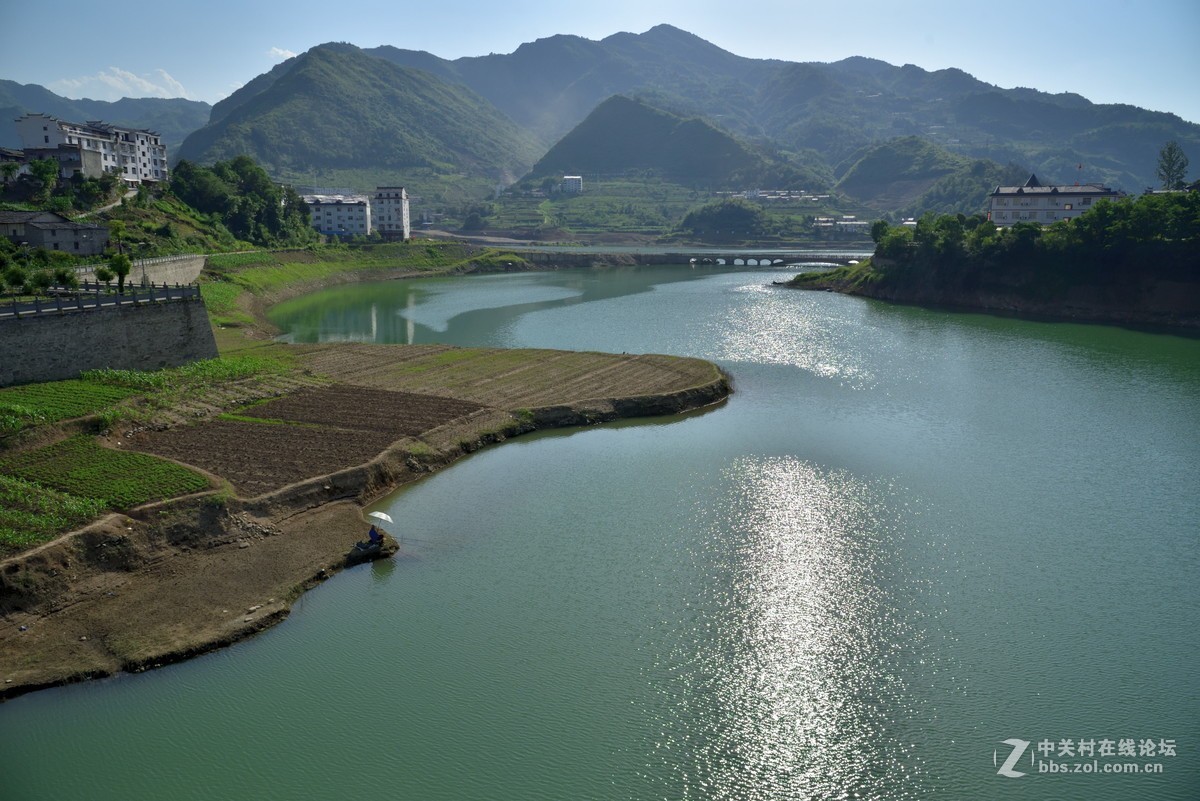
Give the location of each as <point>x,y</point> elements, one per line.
<point>33,404</point>
<point>80,467</point>
<point>31,514</point>
<point>203,373</point>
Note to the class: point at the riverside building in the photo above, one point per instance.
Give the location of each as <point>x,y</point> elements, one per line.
<point>389,213</point>
<point>340,215</point>
<point>1033,202</point>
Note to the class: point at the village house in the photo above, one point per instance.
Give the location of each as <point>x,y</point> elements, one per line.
<point>389,213</point>
<point>91,149</point>
<point>45,229</point>
<point>340,215</point>
<point>1033,202</point>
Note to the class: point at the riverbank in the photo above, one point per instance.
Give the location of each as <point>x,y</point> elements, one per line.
<point>1151,303</point>
<point>169,581</point>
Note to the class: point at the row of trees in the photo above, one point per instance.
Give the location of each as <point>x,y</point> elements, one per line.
<point>1114,242</point>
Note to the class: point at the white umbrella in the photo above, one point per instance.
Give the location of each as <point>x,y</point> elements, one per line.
<point>380,516</point>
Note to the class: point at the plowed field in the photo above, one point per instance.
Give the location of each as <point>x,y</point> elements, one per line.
<point>324,430</point>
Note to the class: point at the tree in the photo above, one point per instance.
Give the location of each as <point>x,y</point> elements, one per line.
<point>41,281</point>
<point>116,230</point>
<point>879,230</point>
<point>1172,165</point>
<point>104,275</point>
<point>120,265</point>
<point>9,169</point>
<point>45,171</point>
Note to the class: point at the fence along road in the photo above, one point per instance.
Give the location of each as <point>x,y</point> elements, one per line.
<point>92,296</point>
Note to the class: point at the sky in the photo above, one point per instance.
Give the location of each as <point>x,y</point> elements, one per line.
<point>1141,52</point>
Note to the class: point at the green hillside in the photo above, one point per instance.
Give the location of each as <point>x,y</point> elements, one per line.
<point>337,116</point>
<point>623,136</point>
<point>911,175</point>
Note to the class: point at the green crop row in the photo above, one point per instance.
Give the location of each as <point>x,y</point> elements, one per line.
<point>117,479</point>
<point>203,372</point>
<point>31,514</point>
<point>33,404</point>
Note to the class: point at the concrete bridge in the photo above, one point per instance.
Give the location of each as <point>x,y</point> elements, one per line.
<point>777,259</point>
<point>597,256</point>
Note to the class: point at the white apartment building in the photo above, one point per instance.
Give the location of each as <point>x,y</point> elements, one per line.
<point>135,154</point>
<point>1033,202</point>
<point>389,213</point>
<point>340,215</point>
<point>571,184</point>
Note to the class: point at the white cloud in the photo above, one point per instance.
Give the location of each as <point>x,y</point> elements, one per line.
<point>280,54</point>
<point>115,83</point>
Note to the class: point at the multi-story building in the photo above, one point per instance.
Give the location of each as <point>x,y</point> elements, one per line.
<point>389,212</point>
<point>571,184</point>
<point>1033,202</point>
<point>135,154</point>
<point>340,215</point>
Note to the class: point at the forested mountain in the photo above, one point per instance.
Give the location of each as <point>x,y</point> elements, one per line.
<point>173,118</point>
<point>623,136</point>
<point>335,110</point>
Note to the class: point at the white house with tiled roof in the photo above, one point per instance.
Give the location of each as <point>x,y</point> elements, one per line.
<point>1033,202</point>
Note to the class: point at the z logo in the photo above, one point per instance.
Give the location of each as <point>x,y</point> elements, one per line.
<point>1018,748</point>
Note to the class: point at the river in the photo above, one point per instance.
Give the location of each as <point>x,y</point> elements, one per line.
<point>909,542</point>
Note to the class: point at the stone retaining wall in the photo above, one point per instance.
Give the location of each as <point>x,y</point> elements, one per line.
<point>51,347</point>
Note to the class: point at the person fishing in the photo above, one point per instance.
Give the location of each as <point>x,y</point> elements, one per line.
<point>374,537</point>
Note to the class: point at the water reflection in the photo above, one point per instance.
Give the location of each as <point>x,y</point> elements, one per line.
<point>793,666</point>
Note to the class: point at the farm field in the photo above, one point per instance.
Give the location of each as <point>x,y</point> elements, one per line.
<point>508,379</point>
<point>310,433</point>
<point>50,402</point>
<point>81,467</point>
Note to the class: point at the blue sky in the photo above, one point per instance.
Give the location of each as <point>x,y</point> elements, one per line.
<point>1142,52</point>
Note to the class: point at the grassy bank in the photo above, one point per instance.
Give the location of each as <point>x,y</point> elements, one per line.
<point>853,278</point>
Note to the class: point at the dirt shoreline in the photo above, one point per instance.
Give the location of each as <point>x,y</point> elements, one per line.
<point>180,578</point>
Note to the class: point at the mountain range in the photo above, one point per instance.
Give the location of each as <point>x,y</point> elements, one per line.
<point>339,114</point>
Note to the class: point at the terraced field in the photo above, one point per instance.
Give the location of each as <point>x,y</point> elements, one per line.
<point>507,379</point>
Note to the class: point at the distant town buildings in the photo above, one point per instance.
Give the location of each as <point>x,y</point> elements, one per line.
<point>847,223</point>
<point>389,213</point>
<point>91,149</point>
<point>46,229</point>
<point>571,184</point>
<point>1033,202</point>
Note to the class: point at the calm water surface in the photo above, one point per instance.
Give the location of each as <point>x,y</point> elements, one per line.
<point>908,537</point>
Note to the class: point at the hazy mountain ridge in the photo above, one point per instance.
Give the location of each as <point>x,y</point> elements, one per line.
<point>836,108</point>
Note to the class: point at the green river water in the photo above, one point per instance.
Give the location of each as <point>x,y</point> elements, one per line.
<point>908,537</point>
